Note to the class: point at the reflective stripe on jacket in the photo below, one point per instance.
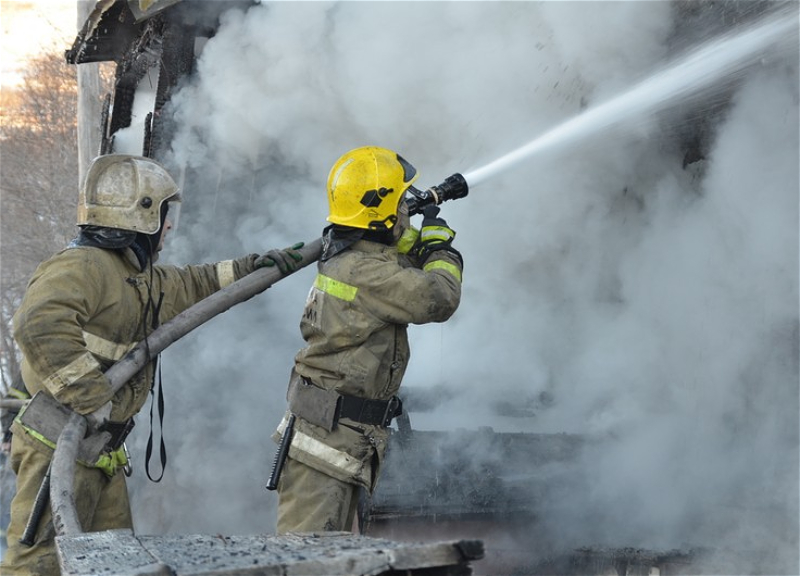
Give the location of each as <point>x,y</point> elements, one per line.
<point>355,326</point>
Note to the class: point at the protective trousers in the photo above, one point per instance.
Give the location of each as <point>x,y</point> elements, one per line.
<point>310,501</point>
<point>101,502</point>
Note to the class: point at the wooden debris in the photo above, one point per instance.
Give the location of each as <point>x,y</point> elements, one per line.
<point>325,554</point>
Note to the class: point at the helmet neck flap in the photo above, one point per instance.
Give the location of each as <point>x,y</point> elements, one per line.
<point>144,246</point>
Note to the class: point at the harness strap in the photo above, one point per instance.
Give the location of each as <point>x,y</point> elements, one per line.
<point>149,449</point>
<point>156,308</point>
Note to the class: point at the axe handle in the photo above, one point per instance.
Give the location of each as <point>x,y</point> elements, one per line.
<point>281,454</point>
<point>42,499</point>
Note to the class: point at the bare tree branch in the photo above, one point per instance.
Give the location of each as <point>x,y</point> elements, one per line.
<point>38,182</point>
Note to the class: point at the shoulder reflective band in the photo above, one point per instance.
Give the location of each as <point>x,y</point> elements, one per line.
<point>442,265</point>
<point>335,288</point>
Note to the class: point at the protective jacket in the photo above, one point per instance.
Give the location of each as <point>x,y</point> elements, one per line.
<point>86,307</point>
<point>83,310</point>
<point>354,323</point>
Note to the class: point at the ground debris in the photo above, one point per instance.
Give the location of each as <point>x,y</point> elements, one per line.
<point>120,552</point>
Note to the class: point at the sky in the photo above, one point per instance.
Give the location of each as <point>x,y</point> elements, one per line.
<point>30,26</point>
<point>652,304</point>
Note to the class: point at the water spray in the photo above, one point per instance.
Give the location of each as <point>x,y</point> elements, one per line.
<point>694,72</point>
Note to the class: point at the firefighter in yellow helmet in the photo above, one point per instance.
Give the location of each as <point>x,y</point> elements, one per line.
<point>84,308</point>
<point>376,276</point>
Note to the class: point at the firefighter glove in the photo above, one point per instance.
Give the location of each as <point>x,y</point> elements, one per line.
<point>99,417</point>
<point>286,260</point>
<point>434,234</point>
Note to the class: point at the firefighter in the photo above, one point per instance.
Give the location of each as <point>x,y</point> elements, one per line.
<point>83,309</point>
<point>376,276</point>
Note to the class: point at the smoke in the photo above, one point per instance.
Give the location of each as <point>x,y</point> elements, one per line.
<point>655,305</point>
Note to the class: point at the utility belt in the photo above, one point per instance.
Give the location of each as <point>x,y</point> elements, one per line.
<point>44,418</point>
<point>325,407</point>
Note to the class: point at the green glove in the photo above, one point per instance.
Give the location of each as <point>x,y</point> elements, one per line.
<point>286,260</point>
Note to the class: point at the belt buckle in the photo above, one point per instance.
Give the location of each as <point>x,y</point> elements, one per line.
<point>391,407</point>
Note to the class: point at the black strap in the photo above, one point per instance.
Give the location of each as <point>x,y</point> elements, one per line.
<point>149,450</point>
<point>156,384</point>
<point>373,412</point>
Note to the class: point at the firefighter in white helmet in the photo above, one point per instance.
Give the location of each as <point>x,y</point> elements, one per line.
<point>84,308</point>
<point>376,276</point>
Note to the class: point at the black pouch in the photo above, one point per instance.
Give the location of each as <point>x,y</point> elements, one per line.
<point>312,403</point>
<point>47,417</point>
<point>119,432</point>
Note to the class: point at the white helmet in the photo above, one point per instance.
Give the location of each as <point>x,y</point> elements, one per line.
<point>125,192</point>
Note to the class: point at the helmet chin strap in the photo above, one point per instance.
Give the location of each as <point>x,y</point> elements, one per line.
<point>146,245</point>
<point>383,236</point>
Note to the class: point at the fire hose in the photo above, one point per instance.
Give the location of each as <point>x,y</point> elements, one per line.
<point>61,474</point>
<point>65,518</point>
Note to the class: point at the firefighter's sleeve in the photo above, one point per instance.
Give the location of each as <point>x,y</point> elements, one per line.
<point>411,295</point>
<point>60,299</point>
<point>187,285</point>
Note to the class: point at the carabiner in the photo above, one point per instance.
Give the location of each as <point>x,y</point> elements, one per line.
<point>127,468</point>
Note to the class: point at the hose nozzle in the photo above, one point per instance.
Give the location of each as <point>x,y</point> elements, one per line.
<point>452,188</point>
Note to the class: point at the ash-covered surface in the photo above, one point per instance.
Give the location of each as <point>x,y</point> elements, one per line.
<point>120,552</point>
<point>109,552</point>
<point>467,473</point>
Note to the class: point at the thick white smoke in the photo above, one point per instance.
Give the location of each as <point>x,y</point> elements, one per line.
<point>655,305</point>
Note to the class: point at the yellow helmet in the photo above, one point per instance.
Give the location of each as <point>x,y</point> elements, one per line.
<point>365,188</point>
<point>125,192</point>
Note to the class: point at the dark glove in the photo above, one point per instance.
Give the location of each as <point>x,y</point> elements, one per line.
<point>434,234</point>
<point>96,419</point>
<point>286,260</point>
